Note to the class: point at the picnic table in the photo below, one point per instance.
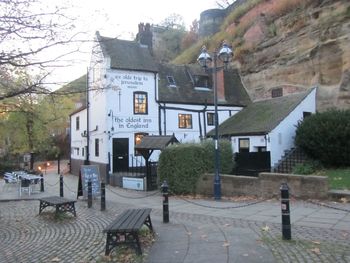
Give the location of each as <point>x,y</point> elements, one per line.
<point>124,229</point>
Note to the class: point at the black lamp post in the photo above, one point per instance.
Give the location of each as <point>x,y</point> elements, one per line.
<point>225,55</point>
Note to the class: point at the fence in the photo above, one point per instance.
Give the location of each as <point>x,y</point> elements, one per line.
<point>252,163</point>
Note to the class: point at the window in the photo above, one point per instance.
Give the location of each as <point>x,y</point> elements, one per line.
<point>306,114</point>
<point>140,103</point>
<point>261,149</point>
<point>82,151</point>
<point>277,92</point>
<point>77,151</point>
<point>202,81</point>
<point>138,139</point>
<point>185,121</point>
<point>97,147</point>
<point>77,123</point>
<point>210,118</point>
<point>243,145</point>
<point>171,81</point>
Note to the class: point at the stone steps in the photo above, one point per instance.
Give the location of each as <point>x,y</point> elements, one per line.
<point>289,160</point>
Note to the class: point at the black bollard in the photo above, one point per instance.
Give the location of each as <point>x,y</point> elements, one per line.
<point>89,194</point>
<point>58,164</point>
<point>165,189</point>
<point>42,183</point>
<point>61,185</point>
<point>286,227</point>
<point>103,196</point>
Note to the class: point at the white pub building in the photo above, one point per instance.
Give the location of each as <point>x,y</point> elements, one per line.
<point>130,95</point>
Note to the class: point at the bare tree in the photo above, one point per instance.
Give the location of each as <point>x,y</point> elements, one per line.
<point>30,27</point>
<point>35,36</point>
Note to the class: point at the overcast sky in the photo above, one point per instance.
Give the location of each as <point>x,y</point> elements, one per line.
<point>120,18</point>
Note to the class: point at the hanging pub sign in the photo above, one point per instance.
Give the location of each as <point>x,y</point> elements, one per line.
<point>89,173</point>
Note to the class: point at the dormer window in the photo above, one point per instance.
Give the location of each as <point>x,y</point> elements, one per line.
<point>171,81</point>
<point>202,81</point>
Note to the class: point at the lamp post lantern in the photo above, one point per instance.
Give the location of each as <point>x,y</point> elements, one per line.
<point>225,55</point>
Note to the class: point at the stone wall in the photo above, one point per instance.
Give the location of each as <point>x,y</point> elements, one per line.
<point>267,185</point>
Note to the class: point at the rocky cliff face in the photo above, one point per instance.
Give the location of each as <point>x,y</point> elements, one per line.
<point>309,46</point>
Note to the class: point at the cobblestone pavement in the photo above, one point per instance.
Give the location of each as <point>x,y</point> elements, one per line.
<point>28,237</point>
<point>319,233</point>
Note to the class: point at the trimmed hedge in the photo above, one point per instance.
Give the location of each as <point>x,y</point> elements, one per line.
<point>326,137</point>
<point>183,164</point>
<point>226,156</point>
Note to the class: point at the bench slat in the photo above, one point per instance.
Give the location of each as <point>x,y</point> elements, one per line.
<point>138,219</point>
<point>129,220</point>
<point>124,229</point>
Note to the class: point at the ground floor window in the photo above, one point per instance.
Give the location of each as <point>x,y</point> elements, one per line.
<point>185,121</point>
<point>138,138</point>
<point>97,147</point>
<point>306,114</point>
<point>261,148</point>
<point>243,145</point>
<point>210,118</point>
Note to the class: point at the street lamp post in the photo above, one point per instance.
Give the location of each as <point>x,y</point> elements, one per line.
<point>225,55</point>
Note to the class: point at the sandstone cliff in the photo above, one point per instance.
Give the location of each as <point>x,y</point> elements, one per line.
<point>309,46</point>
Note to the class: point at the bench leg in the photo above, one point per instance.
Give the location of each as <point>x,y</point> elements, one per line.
<point>68,207</point>
<point>130,239</point>
<point>73,210</point>
<point>43,205</point>
<point>111,242</point>
<point>148,223</point>
<point>137,243</point>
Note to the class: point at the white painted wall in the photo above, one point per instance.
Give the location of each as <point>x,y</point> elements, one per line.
<point>254,142</point>
<point>282,137</point>
<point>117,101</point>
<point>97,112</point>
<point>192,134</point>
<point>77,140</point>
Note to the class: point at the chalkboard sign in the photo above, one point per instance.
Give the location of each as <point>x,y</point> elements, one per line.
<point>90,173</point>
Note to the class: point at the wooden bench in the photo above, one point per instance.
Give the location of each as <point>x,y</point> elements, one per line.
<point>61,204</point>
<point>124,229</point>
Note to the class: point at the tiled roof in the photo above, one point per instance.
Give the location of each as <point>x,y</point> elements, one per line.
<point>185,91</point>
<point>260,117</point>
<point>128,55</point>
<point>153,142</point>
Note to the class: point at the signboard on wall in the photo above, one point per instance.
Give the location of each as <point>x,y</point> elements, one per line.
<point>89,173</point>
<point>133,183</point>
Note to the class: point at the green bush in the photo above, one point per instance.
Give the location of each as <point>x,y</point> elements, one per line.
<point>309,167</point>
<point>225,158</point>
<point>183,164</point>
<point>326,137</point>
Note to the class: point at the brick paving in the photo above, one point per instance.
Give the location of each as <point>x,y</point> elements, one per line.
<point>319,234</point>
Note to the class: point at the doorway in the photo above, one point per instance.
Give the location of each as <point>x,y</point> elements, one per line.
<point>120,154</point>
